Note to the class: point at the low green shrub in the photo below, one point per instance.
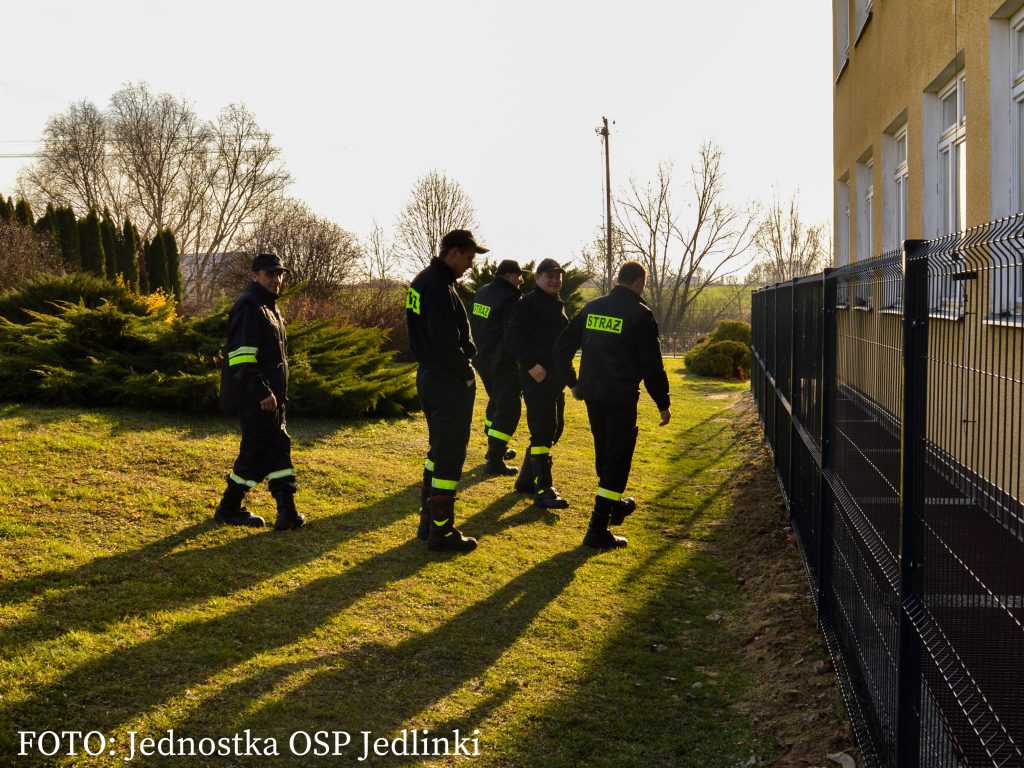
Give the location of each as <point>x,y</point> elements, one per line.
<point>719,359</point>
<point>732,330</point>
<point>105,347</point>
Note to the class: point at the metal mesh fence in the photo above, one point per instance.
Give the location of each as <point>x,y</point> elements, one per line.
<point>891,393</point>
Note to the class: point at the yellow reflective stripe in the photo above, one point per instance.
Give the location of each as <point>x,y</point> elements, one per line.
<point>242,359</point>
<point>499,435</point>
<point>428,465</point>
<point>280,473</point>
<point>446,485</point>
<point>442,523</point>
<point>609,494</point>
<point>412,300</point>
<point>537,450</point>
<point>242,481</point>
<point>243,351</point>
<point>487,423</point>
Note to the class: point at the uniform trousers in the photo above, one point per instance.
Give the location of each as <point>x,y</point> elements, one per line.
<point>448,406</point>
<point>266,450</point>
<point>614,428</point>
<point>504,406</point>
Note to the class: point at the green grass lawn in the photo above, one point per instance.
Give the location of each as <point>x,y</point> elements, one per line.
<point>124,608</point>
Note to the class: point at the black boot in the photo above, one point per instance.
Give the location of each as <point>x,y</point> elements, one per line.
<point>288,518</point>
<point>495,458</point>
<point>230,510</point>
<point>524,483</point>
<point>444,536</point>
<point>510,453</point>
<point>423,531</point>
<point>545,496</point>
<point>621,509</point>
<point>598,536</point>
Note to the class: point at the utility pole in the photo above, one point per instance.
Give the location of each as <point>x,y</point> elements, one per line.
<point>608,205</point>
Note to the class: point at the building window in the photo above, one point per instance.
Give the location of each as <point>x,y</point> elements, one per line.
<point>864,217</point>
<point>947,296</point>
<point>952,155</point>
<point>862,13</point>
<point>1005,278</point>
<point>841,19</point>
<point>897,171</point>
<point>843,221</point>
<point>901,176</point>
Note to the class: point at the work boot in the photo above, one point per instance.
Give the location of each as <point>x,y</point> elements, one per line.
<point>423,531</point>
<point>510,453</point>
<point>544,495</point>
<point>621,509</point>
<point>237,516</point>
<point>598,536</point>
<point>230,510</point>
<point>524,483</point>
<point>495,458</point>
<point>288,518</point>
<point>444,536</point>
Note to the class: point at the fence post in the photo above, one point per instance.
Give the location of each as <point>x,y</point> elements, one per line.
<point>912,490</point>
<point>829,338</point>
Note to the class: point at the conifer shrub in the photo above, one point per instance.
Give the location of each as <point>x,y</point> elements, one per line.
<point>105,345</point>
<point>724,354</point>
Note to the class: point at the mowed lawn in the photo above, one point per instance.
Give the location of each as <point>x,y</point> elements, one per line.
<point>124,608</point>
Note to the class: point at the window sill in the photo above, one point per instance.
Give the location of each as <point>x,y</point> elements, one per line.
<point>842,69</point>
<point>863,26</point>
<point>840,305</point>
<point>1005,321</point>
<point>891,311</point>
<point>946,314</point>
<point>864,308</point>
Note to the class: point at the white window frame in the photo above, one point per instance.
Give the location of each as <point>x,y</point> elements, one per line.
<point>895,226</point>
<point>947,296</point>
<point>1005,280</point>
<point>841,24</point>
<point>901,177</point>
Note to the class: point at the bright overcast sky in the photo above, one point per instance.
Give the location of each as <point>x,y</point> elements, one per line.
<point>364,97</point>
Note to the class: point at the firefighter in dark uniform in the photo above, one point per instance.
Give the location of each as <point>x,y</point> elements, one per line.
<point>536,322</point>
<point>442,343</point>
<point>619,338</point>
<point>492,310</point>
<point>254,383</point>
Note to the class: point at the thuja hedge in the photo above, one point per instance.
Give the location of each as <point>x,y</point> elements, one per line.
<point>725,354</point>
<point>79,340</point>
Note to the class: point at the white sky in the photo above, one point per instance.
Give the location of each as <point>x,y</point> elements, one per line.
<point>364,97</point>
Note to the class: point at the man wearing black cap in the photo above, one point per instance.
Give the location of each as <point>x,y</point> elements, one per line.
<point>492,309</point>
<point>442,343</point>
<point>535,324</point>
<point>254,382</point>
<point>619,338</point>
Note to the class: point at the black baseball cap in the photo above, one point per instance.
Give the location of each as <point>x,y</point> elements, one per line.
<point>549,265</point>
<point>508,267</point>
<point>462,239</point>
<point>270,262</point>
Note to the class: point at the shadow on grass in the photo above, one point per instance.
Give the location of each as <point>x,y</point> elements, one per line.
<point>157,578</point>
<point>110,690</point>
<point>382,688</point>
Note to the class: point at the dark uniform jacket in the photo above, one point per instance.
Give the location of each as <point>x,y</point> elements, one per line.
<point>257,351</point>
<point>439,332</point>
<point>492,310</point>
<point>619,338</point>
<point>535,324</point>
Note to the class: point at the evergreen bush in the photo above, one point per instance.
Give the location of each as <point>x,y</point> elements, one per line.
<point>733,330</point>
<point>725,354</point>
<point>106,346</point>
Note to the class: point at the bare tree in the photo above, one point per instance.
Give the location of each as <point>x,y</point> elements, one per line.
<point>151,157</point>
<point>594,256</point>
<point>683,259</point>
<point>320,254</point>
<point>380,257</point>
<point>786,246</point>
<point>436,205</point>
<point>25,255</point>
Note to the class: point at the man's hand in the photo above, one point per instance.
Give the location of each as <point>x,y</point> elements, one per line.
<point>666,417</point>
<point>576,392</point>
<point>537,373</point>
<point>470,383</point>
<point>268,403</point>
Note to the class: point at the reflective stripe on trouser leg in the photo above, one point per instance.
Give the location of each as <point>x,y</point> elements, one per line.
<point>449,413</point>
<point>498,435</point>
<point>614,429</point>
<point>613,495</point>
<point>242,481</point>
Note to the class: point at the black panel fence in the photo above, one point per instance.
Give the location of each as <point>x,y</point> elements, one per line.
<point>890,392</point>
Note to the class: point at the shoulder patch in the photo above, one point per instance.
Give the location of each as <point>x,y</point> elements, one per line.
<point>412,300</point>
<point>481,310</point>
